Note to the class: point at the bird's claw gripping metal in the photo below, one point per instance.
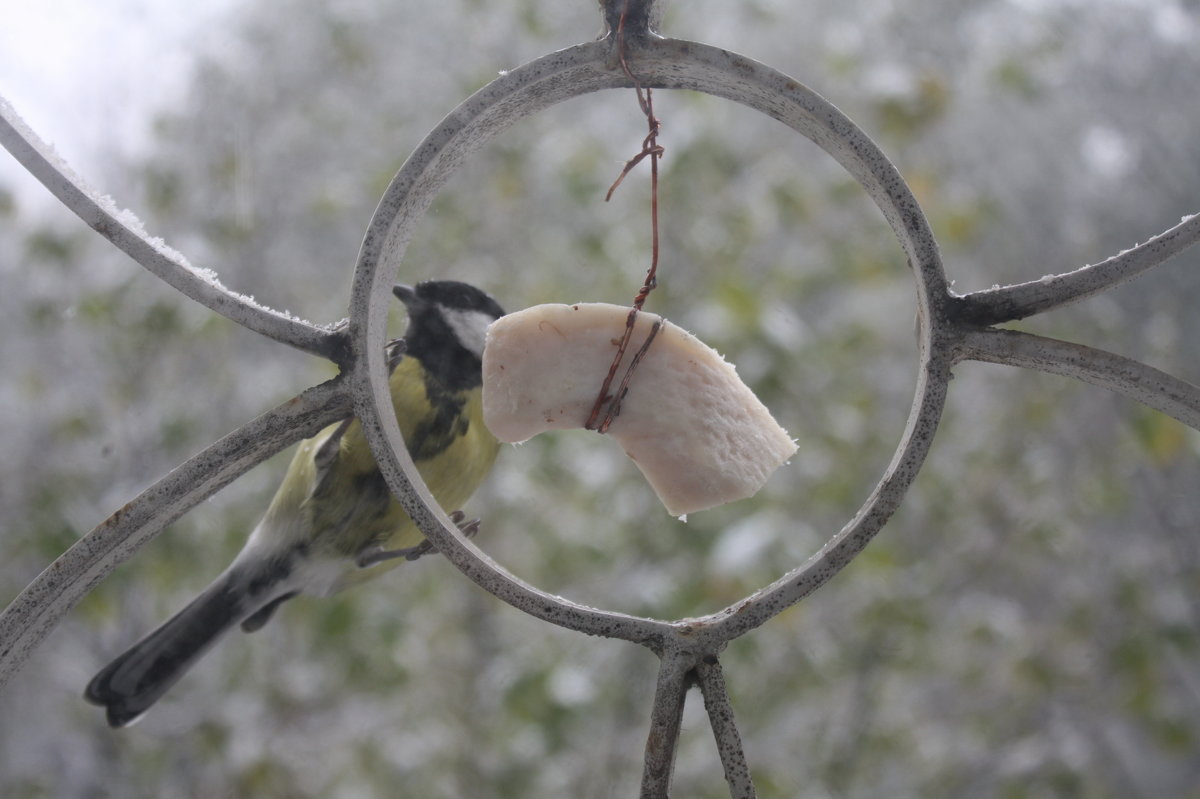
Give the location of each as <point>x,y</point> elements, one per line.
<point>375,555</point>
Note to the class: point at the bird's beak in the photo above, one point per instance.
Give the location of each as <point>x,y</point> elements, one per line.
<point>406,294</point>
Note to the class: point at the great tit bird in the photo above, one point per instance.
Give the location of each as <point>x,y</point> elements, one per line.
<point>334,522</point>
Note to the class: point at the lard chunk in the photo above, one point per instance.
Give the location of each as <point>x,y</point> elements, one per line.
<point>698,434</point>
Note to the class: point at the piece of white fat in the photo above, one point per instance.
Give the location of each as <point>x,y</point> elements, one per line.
<point>699,435</point>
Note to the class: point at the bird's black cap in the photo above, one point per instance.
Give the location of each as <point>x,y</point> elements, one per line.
<point>449,294</point>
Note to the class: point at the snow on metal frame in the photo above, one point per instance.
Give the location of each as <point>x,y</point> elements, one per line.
<point>125,231</point>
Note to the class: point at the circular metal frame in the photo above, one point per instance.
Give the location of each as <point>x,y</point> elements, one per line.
<point>661,64</point>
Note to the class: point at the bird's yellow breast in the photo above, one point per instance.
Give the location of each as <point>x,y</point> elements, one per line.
<point>342,505</point>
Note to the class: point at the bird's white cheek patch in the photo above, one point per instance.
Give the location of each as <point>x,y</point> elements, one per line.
<point>696,431</point>
<point>470,327</point>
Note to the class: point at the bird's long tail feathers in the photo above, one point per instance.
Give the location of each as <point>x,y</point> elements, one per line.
<point>136,679</point>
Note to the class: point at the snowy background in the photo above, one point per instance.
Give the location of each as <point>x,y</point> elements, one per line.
<point>1025,627</point>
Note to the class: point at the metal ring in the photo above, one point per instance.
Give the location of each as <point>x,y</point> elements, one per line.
<point>658,63</point>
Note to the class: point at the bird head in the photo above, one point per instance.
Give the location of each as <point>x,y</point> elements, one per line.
<point>448,323</point>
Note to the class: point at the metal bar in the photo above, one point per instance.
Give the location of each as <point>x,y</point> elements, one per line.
<point>729,740</point>
<point>36,611</point>
<point>125,231</point>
